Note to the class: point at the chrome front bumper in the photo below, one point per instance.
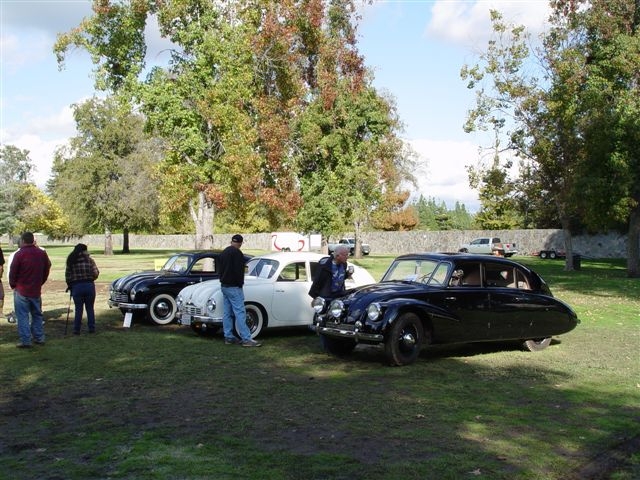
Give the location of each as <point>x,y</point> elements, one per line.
<point>127,306</point>
<point>347,331</point>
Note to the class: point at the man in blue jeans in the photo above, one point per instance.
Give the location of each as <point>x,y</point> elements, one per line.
<point>232,265</point>
<point>28,271</point>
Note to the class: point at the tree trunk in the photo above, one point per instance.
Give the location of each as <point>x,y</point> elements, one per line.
<point>568,244</point>
<point>203,217</point>
<point>357,249</point>
<point>633,244</point>
<point>108,242</point>
<point>125,241</point>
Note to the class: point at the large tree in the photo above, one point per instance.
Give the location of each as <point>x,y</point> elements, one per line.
<point>15,171</point>
<point>241,77</point>
<point>529,104</point>
<point>575,124</point>
<point>609,115</point>
<point>104,178</point>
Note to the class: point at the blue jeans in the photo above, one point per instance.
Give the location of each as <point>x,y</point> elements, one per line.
<point>25,307</point>
<point>84,297</point>
<point>234,309</point>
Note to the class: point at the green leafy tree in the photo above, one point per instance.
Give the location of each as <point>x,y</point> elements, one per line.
<point>104,179</point>
<point>609,115</point>
<point>15,172</point>
<point>536,115</point>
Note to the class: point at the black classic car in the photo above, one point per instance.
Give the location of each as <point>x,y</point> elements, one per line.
<point>436,298</point>
<point>152,293</point>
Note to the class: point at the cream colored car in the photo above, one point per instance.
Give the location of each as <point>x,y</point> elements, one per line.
<point>276,294</point>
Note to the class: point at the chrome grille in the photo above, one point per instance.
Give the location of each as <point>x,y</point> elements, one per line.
<point>119,297</point>
<point>192,310</point>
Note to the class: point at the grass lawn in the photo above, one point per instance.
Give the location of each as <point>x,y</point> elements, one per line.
<point>162,403</point>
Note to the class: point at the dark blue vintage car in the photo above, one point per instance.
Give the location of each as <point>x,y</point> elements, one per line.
<point>152,293</point>
<point>436,298</point>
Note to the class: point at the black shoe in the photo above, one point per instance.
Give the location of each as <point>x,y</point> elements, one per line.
<point>232,341</point>
<point>23,345</point>
<point>39,342</point>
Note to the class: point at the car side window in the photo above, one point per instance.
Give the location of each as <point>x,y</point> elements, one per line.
<point>204,265</point>
<point>522,282</point>
<point>293,272</point>
<point>466,275</point>
<point>497,275</point>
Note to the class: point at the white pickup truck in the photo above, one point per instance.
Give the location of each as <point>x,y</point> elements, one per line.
<point>489,246</point>
<point>351,243</point>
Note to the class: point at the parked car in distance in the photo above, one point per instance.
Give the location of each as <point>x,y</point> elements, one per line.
<point>489,246</point>
<point>351,243</point>
<point>437,298</point>
<point>152,293</point>
<point>275,290</point>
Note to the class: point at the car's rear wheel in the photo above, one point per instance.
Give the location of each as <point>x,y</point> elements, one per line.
<point>535,345</point>
<point>463,250</point>
<point>337,346</point>
<point>404,341</point>
<point>552,255</point>
<point>256,319</point>
<point>162,309</point>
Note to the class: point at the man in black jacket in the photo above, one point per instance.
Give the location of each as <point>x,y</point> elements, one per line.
<point>331,275</point>
<point>232,264</point>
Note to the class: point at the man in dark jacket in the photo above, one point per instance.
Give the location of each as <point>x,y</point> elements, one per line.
<point>232,265</point>
<point>29,270</point>
<point>331,274</point>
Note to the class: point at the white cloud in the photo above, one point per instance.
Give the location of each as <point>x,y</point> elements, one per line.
<point>442,174</point>
<point>468,23</point>
<point>41,137</point>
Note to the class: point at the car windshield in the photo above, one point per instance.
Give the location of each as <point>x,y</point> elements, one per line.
<point>429,272</point>
<point>262,267</point>
<point>177,263</point>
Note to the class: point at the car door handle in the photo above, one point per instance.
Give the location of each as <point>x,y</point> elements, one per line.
<point>451,299</point>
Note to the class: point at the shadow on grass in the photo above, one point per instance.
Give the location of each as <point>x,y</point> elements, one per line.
<point>162,402</point>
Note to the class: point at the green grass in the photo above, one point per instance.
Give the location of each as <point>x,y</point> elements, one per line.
<point>160,402</point>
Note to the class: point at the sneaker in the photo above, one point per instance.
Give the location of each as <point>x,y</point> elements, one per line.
<point>232,341</point>
<point>23,345</point>
<point>251,343</point>
<point>39,342</point>
<point>11,318</point>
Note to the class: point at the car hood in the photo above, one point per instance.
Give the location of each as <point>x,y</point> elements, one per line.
<point>126,283</point>
<point>382,291</point>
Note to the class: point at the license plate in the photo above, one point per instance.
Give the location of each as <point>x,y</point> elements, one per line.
<point>185,319</point>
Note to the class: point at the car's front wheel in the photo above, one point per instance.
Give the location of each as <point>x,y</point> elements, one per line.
<point>255,319</point>
<point>543,255</point>
<point>404,341</point>
<point>162,309</point>
<point>337,346</point>
<point>537,344</point>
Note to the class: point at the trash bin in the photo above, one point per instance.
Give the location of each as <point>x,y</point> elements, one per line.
<point>576,261</point>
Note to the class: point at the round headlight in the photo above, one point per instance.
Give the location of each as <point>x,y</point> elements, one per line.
<point>318,304</point>
<point>211,305</point>
<point>374,311</point>
<point>336,308</point>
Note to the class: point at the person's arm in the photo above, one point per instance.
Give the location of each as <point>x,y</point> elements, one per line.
<point>94,268</point>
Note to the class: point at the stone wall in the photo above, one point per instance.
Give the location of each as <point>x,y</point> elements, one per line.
<point>611,245</point>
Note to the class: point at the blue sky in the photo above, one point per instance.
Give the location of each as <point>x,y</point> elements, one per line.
<point>415,49</point>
